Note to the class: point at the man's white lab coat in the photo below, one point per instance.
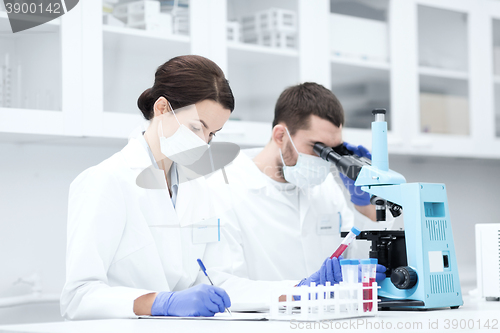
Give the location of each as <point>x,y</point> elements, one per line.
<point>284,232</point>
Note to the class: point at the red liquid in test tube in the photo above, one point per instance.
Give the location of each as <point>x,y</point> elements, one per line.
<point>368,295</point>
<point>339,251</point>
<point>345,242</point>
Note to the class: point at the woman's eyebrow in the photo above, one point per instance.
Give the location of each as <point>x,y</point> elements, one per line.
<point>204,124</point>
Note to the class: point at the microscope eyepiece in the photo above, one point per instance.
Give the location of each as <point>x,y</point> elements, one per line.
<point>379,111</point>
<point>350,165</point>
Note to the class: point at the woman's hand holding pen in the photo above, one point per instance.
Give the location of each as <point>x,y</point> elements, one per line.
<point>201,300</point>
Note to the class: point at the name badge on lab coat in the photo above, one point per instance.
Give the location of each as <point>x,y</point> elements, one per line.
<point>206,231</point>
<point>328,224</point>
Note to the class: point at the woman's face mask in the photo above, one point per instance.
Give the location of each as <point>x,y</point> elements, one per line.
<point>183,147</point>
<point>308,171</point>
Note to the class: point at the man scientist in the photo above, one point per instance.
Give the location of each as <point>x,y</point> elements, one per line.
<point>288,209</point>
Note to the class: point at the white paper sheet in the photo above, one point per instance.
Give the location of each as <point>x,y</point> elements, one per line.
<point>236,316</point>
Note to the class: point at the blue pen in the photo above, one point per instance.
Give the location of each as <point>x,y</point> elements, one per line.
<point>204,270</point>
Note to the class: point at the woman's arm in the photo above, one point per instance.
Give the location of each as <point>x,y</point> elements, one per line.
<point>143,304</point>
<point>96,222</point>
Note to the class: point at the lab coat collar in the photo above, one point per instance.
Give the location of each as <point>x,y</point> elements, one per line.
<point>248,174</point>
<point>136,155</point>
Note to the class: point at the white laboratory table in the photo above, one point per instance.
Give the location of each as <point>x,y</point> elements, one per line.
<point>474,315</point>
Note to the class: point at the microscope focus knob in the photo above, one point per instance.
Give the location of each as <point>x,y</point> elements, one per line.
<point>404,277</point>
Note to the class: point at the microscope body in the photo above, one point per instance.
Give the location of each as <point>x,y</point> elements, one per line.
<point>422,264</point>
<point>430,277</point>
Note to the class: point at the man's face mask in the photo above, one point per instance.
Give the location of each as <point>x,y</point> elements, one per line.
<point>308,171</point>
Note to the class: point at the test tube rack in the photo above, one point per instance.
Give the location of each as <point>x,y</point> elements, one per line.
<point>318,303</point>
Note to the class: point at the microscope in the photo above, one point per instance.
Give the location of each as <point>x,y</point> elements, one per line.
<point>422,270</point>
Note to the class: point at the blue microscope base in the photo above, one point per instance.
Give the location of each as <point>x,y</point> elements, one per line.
<point>430,248</point>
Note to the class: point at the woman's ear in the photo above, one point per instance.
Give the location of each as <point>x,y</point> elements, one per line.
<point>161,106</point>
<point>278,134</point>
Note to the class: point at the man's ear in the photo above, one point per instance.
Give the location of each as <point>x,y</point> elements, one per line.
<point>278,134</point>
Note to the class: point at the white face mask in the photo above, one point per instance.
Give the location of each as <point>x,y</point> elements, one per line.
<point>308,171</point>
<point>183,147</point>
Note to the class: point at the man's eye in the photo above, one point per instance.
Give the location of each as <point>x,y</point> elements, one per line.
<point>196,129</point>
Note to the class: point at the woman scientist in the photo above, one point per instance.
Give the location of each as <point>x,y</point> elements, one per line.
<point>130,236</point>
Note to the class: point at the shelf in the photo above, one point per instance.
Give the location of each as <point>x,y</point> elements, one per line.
<point>30,121</point>
<point>140,34</point>
<point>61,140</point>
<point>6,30</point>
<point>361,89</point>
<point>35,61</point>
<point>245,133</point>
<point>257,53</point>
<point>130,60</point>
<point>444,103</point>
<point>348,74</point>
<point>255,90</point>
<point>367,38</point>
<point>443,73</point>
<point>442,38</point>
<point>360,63</point>
<point>444,85</point>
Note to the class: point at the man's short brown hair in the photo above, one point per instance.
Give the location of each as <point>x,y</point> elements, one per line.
<point>297,103</point>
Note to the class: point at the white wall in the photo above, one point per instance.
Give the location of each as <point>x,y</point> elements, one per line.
<point>34,181</point>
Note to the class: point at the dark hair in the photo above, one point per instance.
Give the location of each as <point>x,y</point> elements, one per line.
<point>297,103</point>
<point>186,80</point>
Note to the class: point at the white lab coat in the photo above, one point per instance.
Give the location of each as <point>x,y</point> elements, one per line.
<point>125,241</point>
<point>283,234</point>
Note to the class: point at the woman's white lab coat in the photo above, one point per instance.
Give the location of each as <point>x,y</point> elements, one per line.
<point>125,241</point>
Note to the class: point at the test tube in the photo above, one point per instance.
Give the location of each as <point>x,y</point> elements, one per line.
<point>368,271</point>
<point>354,278</point>
<point>354,270</point>
<point>345,243</point>
<point>348,278</point>
<point>345,265</point>
<point>373,275</point>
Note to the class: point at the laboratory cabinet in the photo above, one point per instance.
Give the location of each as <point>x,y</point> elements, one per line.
<point>40,77</point>
<point>433,64</point>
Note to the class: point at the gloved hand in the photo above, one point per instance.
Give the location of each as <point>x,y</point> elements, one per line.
<point>380,273</point>
<point>358,197</point>
<point>201,300</point>
<point>358,150</point>
<point>329,271</point>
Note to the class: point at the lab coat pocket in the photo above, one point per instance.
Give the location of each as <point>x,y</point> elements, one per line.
<point>206,231</point>
<point>328,224</point>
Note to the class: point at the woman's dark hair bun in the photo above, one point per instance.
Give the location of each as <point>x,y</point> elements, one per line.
<point>186,80</point>
<point>145,104</point>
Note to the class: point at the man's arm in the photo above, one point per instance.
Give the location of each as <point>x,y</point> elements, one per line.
<point>368,211</point>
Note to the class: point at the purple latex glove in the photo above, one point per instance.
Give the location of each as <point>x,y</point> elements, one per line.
<point>380,273</point>
<point>329,271</point>
<point>358,196</point>
<point>360,150</point>
<point>201,300</point>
